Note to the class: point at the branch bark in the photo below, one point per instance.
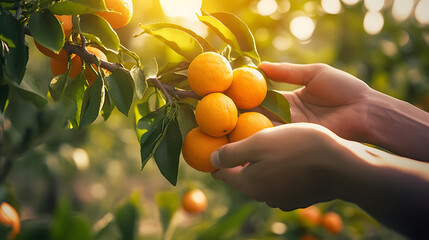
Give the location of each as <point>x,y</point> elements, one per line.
<point>89,58</point>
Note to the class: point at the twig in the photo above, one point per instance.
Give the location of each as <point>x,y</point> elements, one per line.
<point>89,58</point>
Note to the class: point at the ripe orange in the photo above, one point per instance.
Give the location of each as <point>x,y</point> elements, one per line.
<point>248,88</point>
<point>59,66</point>
<point>120,12</point>
<point>9,217</point>
<point>197,148</point>
<point>66,23</point>
<point>209,72</point>
<point>249,123</point>
<point>89,74</point>
<point>216,114</point>
<point>310,215</point>
<point>332,222</point>
<point>47,52</point>
<point>308,237</point>
<point>194,201</point>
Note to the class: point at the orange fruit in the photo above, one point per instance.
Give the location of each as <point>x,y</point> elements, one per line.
<point>119,14</point>
<point>308,237</point>
<point>248,88</point>
<point>310,215</point>
<point>209,72</point>
<point>332,222</point>
<point>66,23</point>
<point>216,114</point>
<point>197,148</point>
<point>9,217</point>
<point>249,123</point>
<point>47,52</point>
<point>59,66</point>
<point>194,201</point>
<point>89,74</point>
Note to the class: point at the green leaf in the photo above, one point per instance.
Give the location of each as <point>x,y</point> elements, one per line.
<point>186,119</point>
<point>168,204</point>
<point>131,54</point>
<point>168,152</point>
<point>67,225</point>
<point>46,30</point>
<point>221,30</point>
<point>202,41</point>
<point>226,226</point>
<point>108,107</point>
<point>92,102</point>
<point>149,130</point>
<point>77,7</point>
<point>277,104</point>
<point>97,29</point>
<point>151,69</point>
<point>121,89</point>
<point>139,80</point>
<point>75,92</point>
<point>4,96</point>
<point>57,85</point>
<point>29,90</point>
<point>127,216</point>
<point>178,40</point>
<point>241,32</point>
<point>16,56</point>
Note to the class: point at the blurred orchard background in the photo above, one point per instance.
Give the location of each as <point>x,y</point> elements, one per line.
<point>82,184</point>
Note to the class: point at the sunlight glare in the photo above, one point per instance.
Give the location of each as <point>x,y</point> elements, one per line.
<point>374,5</point>
<point>350,2</point>
<point>402,9</point>
<point>267,7</point>
<point>302,27</point>
<point>331,6</point>
<point>422,10</point>
<point>182,8</point>
<point>373,22</point>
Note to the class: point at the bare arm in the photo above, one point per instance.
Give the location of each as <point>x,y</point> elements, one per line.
<point>352,110</point>
<point>296,165</point>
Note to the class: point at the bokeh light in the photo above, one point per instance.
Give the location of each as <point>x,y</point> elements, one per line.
<point>81,158</point>
<point>350,2</point>
<point>266,7</point>
<point>374,5</point>
<point>331,6</point>
<point>401,9</point>
<point>422,12</point>
<point>373,22</point>
<point>302,27</point>
<point>182,8</point>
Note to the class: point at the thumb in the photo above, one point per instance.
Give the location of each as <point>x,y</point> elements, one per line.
<point>299,74</point>
<point>233,154</point>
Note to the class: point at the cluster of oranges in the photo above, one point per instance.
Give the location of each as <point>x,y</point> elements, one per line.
<point>312,216</point>
<point>224,91</point>
<point>119,15</point>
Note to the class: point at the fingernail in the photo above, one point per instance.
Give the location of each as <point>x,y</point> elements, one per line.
<point>214,159</point>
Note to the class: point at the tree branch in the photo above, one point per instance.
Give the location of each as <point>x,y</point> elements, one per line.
<point>89,58</point>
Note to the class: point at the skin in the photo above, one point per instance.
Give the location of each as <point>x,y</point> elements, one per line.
<point>319,158</point>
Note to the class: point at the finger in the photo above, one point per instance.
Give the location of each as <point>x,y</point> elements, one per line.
<point>233,154</point>
<point>231,176</point>
<point>299,74</point>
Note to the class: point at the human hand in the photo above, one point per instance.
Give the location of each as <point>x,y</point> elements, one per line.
<point>290,166</point>
<point>329,97</point>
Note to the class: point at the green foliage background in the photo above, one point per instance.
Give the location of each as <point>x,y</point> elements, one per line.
<point>58,198</point>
